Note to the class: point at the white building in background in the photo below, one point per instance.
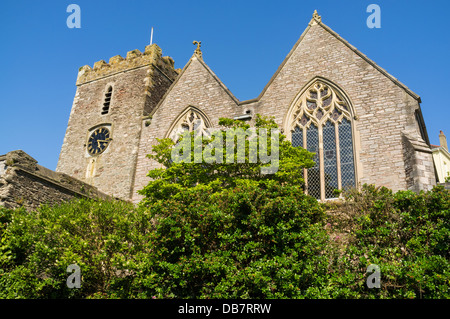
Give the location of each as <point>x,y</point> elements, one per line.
<point>441,158</point>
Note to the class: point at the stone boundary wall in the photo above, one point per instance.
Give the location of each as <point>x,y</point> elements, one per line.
<point>25,183</point>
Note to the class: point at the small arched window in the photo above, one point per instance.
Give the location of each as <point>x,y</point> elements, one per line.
<point>191,121</point>
<point>321,122</point>
<point>107,101</point>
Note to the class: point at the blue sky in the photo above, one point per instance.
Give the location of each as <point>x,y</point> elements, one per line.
<point>243,42</point>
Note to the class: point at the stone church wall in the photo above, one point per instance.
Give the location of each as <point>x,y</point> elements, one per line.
<point>419,167</point>
<point>383,108</point>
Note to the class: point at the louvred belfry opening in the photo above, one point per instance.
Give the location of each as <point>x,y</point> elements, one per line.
<point>107,101</point>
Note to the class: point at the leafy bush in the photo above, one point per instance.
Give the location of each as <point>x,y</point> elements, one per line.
<point>245,242</point>
<point>251,241</point>
<point>406,234</point>
<point>103,238</point>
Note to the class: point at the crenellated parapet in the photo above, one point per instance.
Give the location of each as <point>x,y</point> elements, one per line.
<point>134,59</point>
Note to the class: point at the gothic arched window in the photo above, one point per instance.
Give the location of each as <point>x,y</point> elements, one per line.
<point>321,122</point>
<point>190,120</point>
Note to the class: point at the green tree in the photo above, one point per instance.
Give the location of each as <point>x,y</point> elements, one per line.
<point>174,176</point>
<point>227,230</point>
<point>249,241</point>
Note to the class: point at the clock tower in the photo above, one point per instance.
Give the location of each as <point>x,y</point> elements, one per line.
<point>102,138</point>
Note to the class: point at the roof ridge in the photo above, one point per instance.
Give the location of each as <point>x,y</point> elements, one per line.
<point>317,20</point>
<point>227,90</point>
<point>194,57</point>
<point>371,62</point>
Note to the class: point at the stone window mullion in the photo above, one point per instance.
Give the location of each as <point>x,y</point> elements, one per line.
<point>338,156</point>
<point>305,171</point>
<point>321,164</point>
<point>188,122</point>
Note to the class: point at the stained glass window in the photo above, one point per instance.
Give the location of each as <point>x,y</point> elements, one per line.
<point>311,105</point>
<point>336,115</point>
<point>319,114</point>
<point>325,117</point>
<point>329,159</point>
<point>304,120</point>
<point>346,151</point>
<point>312,144</point>
<point>297,137</point>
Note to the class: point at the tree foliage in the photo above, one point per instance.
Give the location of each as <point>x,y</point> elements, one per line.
<point>243,242</point>
<point>406,234</point>
<point>174,176</point>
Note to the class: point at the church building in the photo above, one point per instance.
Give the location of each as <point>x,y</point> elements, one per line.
<point>326,96</point>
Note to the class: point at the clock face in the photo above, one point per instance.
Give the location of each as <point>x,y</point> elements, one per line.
<point>98,141</point>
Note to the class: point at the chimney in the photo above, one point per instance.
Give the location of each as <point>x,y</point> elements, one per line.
<point>443,140</point>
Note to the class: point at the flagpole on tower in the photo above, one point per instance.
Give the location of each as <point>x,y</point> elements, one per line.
<point>151,37</point>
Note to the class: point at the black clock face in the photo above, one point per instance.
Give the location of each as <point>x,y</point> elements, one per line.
<point>98,141</point>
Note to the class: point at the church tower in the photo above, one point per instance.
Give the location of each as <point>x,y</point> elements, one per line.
<point>112,99</point>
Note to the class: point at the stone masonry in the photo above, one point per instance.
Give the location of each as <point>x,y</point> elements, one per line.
<point>391,146</point>
<point>383,107</point>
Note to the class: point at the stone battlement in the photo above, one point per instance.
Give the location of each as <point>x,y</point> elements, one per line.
<point>134,59</point>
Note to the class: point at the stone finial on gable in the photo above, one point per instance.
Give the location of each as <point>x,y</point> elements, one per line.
<point>316,16</point>
<point>197,51</point>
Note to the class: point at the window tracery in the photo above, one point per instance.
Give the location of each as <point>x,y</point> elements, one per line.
<point>321,122</point>
<point>191,121</point>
